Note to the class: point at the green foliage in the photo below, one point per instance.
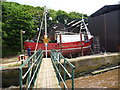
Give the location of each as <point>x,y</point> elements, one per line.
<point>16,17</point>
<point>53,15</point>
<point>62,16</point>
<point>76,15</point>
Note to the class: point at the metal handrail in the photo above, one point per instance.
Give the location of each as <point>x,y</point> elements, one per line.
<point>33,65</point>
<point>65,70</point>
<point>71,65</point>
<point>56,56</point>
<point>60,75</point>
<point>33,75</point>
<point>62,65</point>
<point>30,68</point>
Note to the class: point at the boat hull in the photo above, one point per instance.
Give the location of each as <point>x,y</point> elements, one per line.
<point>65,48</point>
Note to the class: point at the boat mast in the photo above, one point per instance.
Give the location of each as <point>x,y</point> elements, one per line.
<point>45,36</point>
<point>81,24</point>
<point>84,26</point>
<point>45,13</point>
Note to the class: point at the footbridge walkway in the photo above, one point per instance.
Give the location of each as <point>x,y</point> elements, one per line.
<point>46,73</point>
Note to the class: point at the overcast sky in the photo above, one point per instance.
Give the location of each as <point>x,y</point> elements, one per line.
<point>82,6</point>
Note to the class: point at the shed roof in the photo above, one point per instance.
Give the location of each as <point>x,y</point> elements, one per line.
<point>106,9</point>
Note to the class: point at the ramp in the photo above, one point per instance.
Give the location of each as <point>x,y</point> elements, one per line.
<point>46,77</point>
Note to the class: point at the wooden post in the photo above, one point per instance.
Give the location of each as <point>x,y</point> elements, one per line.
<point>82,50</point>
<point>60,42</point>
<point>21,41</point>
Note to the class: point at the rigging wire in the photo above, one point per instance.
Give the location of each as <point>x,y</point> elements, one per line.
<point>39,34</point>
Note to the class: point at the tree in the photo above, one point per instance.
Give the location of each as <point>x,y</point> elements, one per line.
<point>76,15</point>
<point>62,16</point>
<point>17,17</point>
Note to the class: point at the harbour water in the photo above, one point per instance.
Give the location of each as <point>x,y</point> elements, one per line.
<point>107,79</point>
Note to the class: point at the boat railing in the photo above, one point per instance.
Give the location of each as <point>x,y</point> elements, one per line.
<point>57,57</point>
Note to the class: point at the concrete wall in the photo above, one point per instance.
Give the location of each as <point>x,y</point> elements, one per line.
<point>10,77</point>
<point>87,64</point>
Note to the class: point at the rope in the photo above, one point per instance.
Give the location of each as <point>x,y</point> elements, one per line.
<point>39,33</point>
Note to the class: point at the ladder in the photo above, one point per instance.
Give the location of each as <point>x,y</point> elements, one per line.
<point>96,45</point>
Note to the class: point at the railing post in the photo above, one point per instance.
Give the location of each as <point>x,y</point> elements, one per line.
<point>58,55</point>
<point>64,71</point>
<point>35,73</point>
<point>28,72</point>
<point>53,55</point>
<point>20,78</point>
<point>72,78</point>
<point>59,71</point>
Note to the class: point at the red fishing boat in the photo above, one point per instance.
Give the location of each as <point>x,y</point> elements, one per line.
<point>65,42</point>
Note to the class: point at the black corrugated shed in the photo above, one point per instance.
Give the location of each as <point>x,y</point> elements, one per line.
<point>105,23</point>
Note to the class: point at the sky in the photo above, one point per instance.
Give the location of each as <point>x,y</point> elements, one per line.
<point>82,6</point>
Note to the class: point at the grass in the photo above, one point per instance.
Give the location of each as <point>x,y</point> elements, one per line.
<point>9,60</point>
<point>14,65</point>
<point>4,62</point>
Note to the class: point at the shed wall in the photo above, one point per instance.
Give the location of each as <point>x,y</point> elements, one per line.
<point>107,27</point>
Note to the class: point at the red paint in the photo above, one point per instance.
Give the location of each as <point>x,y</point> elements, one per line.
<point>75,46</point>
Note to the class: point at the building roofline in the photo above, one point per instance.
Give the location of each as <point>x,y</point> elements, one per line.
<point>106,9</point>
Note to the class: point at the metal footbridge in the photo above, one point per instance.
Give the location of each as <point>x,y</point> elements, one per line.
<point>46,73</point>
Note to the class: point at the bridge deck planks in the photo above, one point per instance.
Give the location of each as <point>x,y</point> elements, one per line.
<point>46,76</point>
